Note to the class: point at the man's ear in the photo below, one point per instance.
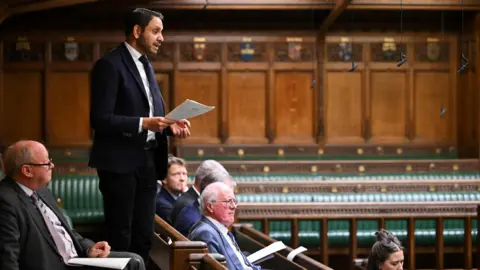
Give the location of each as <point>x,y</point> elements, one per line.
<point>209,208</point>
<point>27,171</point>
<point>137,31</point>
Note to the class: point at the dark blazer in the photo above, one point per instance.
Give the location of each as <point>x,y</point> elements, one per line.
<point>25,242</point>
<point>164,205</point>
<point>205,231</point>
<point>118,101</point>
<point>189,215</point>
<point>180,203</point>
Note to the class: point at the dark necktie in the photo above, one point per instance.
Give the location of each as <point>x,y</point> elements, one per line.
<point>254,267</point>
<point>158,109</point>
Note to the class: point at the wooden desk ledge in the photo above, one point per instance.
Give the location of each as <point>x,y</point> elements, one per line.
<point>213,261</point>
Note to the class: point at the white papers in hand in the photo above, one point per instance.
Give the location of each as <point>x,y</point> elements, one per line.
<point>262,253</point>
<point>188,109</point>
<point>295,252</point>
<point>111,263</point>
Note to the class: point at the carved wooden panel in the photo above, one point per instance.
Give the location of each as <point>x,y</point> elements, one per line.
<point>67,108</point>
<point>64,51</point>
<point>239,52</point>
<point>202,87</point>
<point>343,107</point>
<point>434,112</point>
<point>246,107</point>
<point>387,51</point>
<point>294,51</point>
<point>200,52</point>
<point>24,51</point>
<point>22,106</point>
<point>388,106</point>
<point>432,52</point>
<point>294,107</point>
<point>344,52</point>
<point>165,53</point>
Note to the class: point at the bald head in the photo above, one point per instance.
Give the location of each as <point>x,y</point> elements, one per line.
<point>28,162</point>
<point>218,201</point>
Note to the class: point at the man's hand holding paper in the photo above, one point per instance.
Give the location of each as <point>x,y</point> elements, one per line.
<point>181,129</point>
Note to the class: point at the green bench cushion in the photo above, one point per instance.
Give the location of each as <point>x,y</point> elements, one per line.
<point>339,232</point>
<point>80,196</point>
<point>358,197</point>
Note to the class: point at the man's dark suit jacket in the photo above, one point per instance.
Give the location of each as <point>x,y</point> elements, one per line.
<point>164,205</point>
<point>118,101</point>
<point>25,242</point>
<point>189,215</point>
<point>186,198</point>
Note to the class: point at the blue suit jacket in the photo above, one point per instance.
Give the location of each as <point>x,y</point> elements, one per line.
<point>164,204</point>
<point>189,215</point>
<point>205,231</point>
<point>117,102</point>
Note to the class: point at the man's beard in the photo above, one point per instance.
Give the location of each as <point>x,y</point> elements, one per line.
<point>142,43</point>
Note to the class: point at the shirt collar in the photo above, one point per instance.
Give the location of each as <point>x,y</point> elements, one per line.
<point>27,190</point>
<point>223,229</point>
<point>133,52</point>
<point>196,191</point>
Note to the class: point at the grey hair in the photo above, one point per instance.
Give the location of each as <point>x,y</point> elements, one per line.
<point>206,168</point>
<point>210,194</point>
<point>15,157</point>
<point>213,177</point>
<point>386,244</point>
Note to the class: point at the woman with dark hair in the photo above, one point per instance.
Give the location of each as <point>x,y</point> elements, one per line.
<point>386,253</point>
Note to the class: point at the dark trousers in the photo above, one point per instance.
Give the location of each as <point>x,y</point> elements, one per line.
<point>135,263</point>
<point>129,207</point>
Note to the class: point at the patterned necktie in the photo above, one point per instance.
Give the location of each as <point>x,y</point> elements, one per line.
<point>60,236</point>
<point>254,267</point>
<point>154,89</point>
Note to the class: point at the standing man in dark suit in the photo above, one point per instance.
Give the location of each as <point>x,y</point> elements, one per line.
<point>130,147</point>
<point>34,234</point>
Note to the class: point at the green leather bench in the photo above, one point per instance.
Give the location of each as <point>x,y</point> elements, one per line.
<point>338,231</point>
<point>358,197</point>
<point>80,197</point>
<point>311,177</point>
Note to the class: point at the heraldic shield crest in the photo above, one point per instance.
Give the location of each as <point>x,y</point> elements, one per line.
<point>433,51</point>
<point>389,49</point>
<point>199,47</point>
<point>71,49</point>
<point>247,50</point>
<point>294,50</point>
<point>345,52</point>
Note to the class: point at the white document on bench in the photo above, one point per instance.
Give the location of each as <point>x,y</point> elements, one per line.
<point>188,109</point>
<point>272,248</point>
<point>111,263</point>
<point>295,252</point>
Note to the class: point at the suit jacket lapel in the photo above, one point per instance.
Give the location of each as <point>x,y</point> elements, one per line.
<point>35,214</point>
<point>225,243</point>
<point>128,60</point>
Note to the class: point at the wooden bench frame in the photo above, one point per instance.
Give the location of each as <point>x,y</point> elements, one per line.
<point>353,212</point>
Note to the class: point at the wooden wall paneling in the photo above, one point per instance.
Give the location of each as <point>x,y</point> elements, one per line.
<point>367,89</point>
<point>320,89</point>
<point>343,107</point>
<point>410,123</point>
<point>68,108</point>
<point>246,107</point>
<point>432,91</point>
<point>453,91</point>
<point>388,107</point>
<point>477,89</point>
<point>163,81</point>
<point>22,105</point>
<point>270,106</point>
<point>224,123</point>
<point>203,87</point>
<point>2,98</point>
<point>294,107</point>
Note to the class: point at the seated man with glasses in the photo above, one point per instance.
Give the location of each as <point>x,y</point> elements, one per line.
<point>218,204</point>
<point>34,234</point>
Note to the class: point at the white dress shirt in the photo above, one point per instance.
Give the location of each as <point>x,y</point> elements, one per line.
<point>136,55</point>
<point>224,230</point>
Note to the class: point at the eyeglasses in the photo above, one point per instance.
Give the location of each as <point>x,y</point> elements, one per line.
<point>227,203</point>
<point>49,164</point>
